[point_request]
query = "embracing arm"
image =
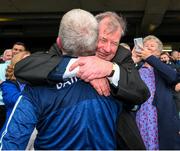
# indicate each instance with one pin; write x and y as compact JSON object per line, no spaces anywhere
{"x":20,"y":126}
{"x":34,"y":69}
{"x":131,"y":89}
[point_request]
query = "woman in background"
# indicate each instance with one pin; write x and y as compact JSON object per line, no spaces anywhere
{"x":157,"y":119}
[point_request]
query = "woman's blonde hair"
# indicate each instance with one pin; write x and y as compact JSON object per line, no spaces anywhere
{"x":16,"y":58}
{"x":157,"y":40}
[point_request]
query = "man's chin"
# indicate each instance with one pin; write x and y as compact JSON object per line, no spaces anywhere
{"x":101,"y":56}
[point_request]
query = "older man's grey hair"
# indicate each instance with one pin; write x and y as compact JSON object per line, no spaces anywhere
{"x":114,"y":22}
{"x":78,"y":31}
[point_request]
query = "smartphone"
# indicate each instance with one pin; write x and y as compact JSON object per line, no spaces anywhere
{"x":138,"y":42}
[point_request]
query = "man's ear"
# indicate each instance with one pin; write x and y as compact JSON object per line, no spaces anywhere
{"x":59,"y":42}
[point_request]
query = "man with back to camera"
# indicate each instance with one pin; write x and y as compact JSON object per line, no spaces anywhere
{"x":129,"y":90}
{"x":64,"y":118}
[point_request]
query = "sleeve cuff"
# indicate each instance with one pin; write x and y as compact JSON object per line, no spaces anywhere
{"x":116,"y":76}
{"x":70,"y":74}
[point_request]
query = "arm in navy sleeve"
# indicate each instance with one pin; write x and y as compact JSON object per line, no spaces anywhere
{"x":166,"y":72}
{"x":10,"y":92}
{"x":20,"y":125}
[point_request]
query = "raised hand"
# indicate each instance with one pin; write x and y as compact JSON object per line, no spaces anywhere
{"x":135,"y":57}
{"x":144,"y":53}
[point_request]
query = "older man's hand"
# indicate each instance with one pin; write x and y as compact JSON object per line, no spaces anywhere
{"x":91,"y":68}
{"x":101,"y":86}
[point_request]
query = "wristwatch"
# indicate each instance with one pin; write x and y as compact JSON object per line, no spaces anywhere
{"x":113,"y":70}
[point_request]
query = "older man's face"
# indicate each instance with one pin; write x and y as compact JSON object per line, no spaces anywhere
{"x":107,"y":42}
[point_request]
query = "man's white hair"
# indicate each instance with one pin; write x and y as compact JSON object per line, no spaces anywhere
{"x":78,"y":32}
{"x":115,"y":21}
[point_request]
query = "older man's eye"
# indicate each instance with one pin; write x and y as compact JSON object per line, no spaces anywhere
{"x":104,"y":40}
{"x":115,"y":44}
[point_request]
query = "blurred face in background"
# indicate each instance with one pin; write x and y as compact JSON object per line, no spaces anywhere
{"x":165,"y":58}
{"x":17,"y":48}
{"x":152,"y":45}
{"x":108,"y":42}
{"x":7,"y":55}
{"x":176,"y":55}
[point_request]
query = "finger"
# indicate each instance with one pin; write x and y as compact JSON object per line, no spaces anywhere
{"x":98,"y":89}
{"x":85,"y":77}
{"x":92,"y":77}
{"x":104,"y":87}
{"x":79,"y":73}
{"x":82,"y":75}
{"x":100,"y":92}
{"x":138,"y":52}
{"x":141,"y":47}
{"x":108,"y":86}
{"x":86,"y":80}
{"x":107,"y":89}
{"x":106,"y":92}
{"x":76,"y":64}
